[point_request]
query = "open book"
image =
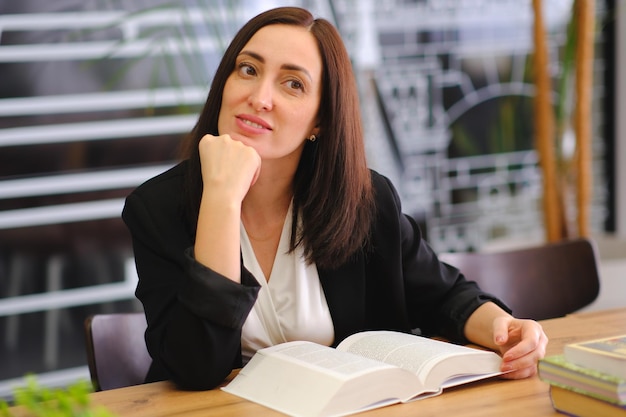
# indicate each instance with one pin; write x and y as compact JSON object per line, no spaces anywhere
{"x":367,"y":370}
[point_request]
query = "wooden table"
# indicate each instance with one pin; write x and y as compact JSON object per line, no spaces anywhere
{"x":519,"y":398}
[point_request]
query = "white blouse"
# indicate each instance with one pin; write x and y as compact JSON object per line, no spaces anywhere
{"x":291,"y":305}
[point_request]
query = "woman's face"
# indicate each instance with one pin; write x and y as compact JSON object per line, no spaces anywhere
{"x":271,"y":99}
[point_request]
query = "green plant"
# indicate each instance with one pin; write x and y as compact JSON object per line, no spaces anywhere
{"x":38,"y":401}
{"x":179,"y":54}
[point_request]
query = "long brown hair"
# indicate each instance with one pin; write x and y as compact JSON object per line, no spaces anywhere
{"x":333,"y":194}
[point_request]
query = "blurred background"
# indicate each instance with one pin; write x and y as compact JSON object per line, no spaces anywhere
{"x":95,"y":96}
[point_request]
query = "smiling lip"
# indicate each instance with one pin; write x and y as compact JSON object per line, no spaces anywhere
{"x":253,"y":122}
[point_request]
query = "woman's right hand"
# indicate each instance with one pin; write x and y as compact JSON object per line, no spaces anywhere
{"x":229,"y":167}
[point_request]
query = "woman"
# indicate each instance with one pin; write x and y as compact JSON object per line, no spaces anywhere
{"x":274,"y":229}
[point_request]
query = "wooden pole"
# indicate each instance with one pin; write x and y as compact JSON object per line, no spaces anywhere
{"x":545,"y":130}
{"x":585,"y":22}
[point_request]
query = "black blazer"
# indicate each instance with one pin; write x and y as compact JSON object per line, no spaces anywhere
{"x":195,"y":315}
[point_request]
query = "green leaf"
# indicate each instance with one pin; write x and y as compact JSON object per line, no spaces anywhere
{"x":73,"y":401}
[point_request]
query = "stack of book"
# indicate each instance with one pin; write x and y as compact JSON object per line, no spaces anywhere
{"x":589,"y":378}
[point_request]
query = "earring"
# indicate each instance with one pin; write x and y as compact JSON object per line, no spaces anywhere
{"x":312,"y":138}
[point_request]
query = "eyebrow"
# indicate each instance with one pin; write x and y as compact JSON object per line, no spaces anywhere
{"x":291,"y":67}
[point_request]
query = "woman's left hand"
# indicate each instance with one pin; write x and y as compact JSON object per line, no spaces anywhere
{"x":521,"y":343}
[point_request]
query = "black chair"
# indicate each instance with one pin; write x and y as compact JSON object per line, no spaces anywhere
{"x":539,"y":282}
{"x":116,"y":350}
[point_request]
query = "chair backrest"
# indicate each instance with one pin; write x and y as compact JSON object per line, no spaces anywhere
{"x":116,"y":350}
{"x":539,"y":282}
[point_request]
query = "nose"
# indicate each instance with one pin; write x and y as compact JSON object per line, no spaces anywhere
{"x":261,"y":97}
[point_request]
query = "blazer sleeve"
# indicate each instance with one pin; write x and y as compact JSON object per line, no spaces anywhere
{"x":194,"y":314}
{"x":439,"y":299}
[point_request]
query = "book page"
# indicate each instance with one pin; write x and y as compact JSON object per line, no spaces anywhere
{"x":305,"y":379}
{"x":400,"y":349}
{"x":311,"y":355}
{"x":421,"y":355}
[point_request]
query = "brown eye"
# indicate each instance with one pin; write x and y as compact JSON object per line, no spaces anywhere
{"x":246,"y":69}
{"x":295,"y":84}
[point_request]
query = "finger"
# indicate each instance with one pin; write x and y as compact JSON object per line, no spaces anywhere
{"x":501,"y":330}
{"x":525,"y":372}
{"x":517,"y":350}
{"x":532,"y":339}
